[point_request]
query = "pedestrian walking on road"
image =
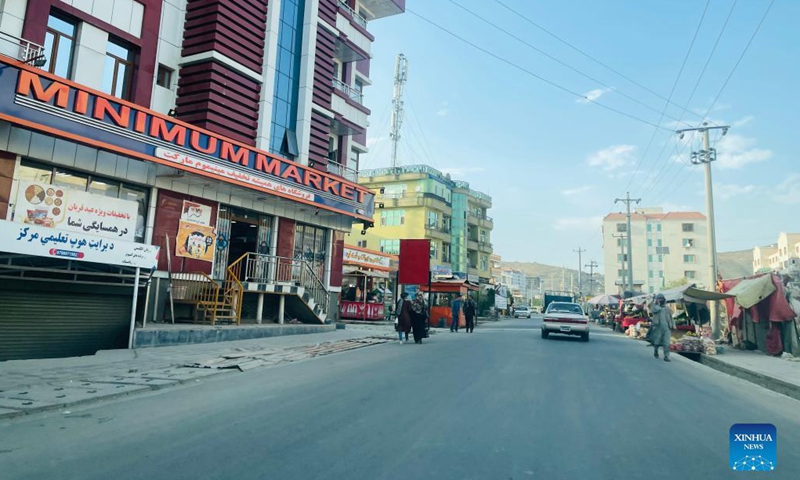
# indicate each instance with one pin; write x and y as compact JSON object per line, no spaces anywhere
{"x":469,"y":313}
{"x":455,"y":308}
{"x":419,"y":317}
{"x":662,"y":324}
{"x":403,"y":322}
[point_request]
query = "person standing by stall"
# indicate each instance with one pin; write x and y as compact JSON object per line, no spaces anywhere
{"x":662,"y":325}
{"x":469,"y":313}
{"x":419,"y":317}
{"x":455,"y":309}
{"x":403,"y":312}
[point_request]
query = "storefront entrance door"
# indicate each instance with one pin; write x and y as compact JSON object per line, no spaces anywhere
{"x":243,"y":239}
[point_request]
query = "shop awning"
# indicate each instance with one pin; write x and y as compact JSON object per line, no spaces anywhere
{"x":699,"y":296}
{"x":366,"y":273}
{"x":751,"y":291}
{"x":686,"y":293}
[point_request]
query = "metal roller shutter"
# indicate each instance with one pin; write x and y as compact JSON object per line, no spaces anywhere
{"x":41,"y":324}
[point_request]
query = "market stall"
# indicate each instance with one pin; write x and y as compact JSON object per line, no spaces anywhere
{"x":367,"y":284}
{"x":443,"y":292}
{"x":760,"y":315}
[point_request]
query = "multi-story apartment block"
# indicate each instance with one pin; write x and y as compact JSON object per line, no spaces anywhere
{"x":776,"y":257}
{"x":222,"y":129}
{"x":665,"y":246}
{"x":417,"y":201}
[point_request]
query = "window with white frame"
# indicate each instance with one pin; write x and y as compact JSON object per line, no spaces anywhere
{"x":433,"y":219}
{"x":390,"y":246}
{"x":689,"y":259}
{"x":393,"y":218}
{"x":434,"y":250}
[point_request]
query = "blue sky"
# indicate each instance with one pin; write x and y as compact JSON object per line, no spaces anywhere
{"x":554,"y":163}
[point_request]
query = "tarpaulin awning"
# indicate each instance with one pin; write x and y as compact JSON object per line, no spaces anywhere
{"x":366,"y":273}
{"x":695,"y":295}
{"x":604,"y":300}
{"x":751,"y":291}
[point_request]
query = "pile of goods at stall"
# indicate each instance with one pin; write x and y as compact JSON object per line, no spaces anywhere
{"x":693,"y":343}
{"x":639,"y":330}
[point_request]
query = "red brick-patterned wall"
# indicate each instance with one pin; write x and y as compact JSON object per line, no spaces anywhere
{"x":234,"y":28}
{"x":218,"y":99}
{"x":323,"y":68}
{"x":319,"y":141}
{"x":337,"y":259}
{"x":168,"y":215}
{"x":327,"y":10}
{"x":7,"y":163}
{"x":286,"y":231}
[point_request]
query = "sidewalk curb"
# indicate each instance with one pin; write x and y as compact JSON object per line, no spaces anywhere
{"x":770,"y":383}
{"x":112,"y":396}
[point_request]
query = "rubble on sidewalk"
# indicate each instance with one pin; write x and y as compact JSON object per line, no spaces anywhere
{"x":246,"y":360}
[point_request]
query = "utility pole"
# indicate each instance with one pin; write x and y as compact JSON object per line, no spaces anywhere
{"x":628,"y":200}
{"x":563,"y":279}
{"x":400,"y":78}
{"x":706,"y":156}
{"x":591,"y":266}
{"x":580,"y":272}
{"x":623,"y":260}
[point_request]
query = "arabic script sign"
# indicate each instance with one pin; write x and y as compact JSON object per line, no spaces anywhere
{"x":50,"y":242}
{"x":195,"y":241}
{"x":52,"y":206}
{"x":364,"y":258}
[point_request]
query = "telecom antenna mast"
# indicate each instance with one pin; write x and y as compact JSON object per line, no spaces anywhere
{"x":400,"y":78}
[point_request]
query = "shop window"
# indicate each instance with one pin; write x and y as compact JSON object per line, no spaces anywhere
{"x":105,"y":188}
{"x":67,"y":179}
{"x":390,"y":246}
{"x":33,"y":171}
{"x":118,"y":70}
{"x":310,"y":245}
{"x":59,"y":46}
{"x":689,"y":259}
{"x":164,"y":76}
{"x":621,"y":227}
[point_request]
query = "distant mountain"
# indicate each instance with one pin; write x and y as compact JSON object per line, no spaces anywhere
{"x":735,"y":264}
{"x":552,"y":276}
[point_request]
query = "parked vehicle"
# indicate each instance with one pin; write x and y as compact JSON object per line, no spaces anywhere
{"x":566,"y":318}
{"x":522,"y":311}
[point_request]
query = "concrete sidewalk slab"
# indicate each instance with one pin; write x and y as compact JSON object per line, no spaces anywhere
{"x":779,"y":374}
{"x":113,"y":373}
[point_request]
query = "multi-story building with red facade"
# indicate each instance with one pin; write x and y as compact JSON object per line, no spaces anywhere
{"x":210,"y":145}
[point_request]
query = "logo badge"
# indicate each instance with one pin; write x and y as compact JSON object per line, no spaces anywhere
{"x":754,"y":447}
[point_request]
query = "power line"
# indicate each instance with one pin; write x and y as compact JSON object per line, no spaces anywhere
{"x":557,"y":60}
{"x":672,"y":92}
{"x":747,"y":47}
{"x":667,"y":163}
{"x":590,"y":57}
{"x":532,"y":74}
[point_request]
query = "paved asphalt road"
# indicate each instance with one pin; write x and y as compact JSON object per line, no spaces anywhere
{"x":501,"y":403}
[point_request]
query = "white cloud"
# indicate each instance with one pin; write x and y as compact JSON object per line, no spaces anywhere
{"x":461,"y":171}
{"x":742,"y":121}
{"x":585,"y":224}
{"x":443,"y":110}
{"x":593,"y":95}
{"x":612,"y":158}
{"x":725,"y":191}
{"x":788,"y":191}
{"x":735,"y":151}
{"x":571,"y":192}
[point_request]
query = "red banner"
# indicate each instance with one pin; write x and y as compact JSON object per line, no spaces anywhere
{"x":415,"y":262}
{"x":362,"y":311}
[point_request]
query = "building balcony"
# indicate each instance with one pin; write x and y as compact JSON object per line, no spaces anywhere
{"x":351,"y":92}
{"x":383,"y":8}
{"x":483,"y":221}
{"x":437,"y":231}
{"x":358,"y":19}
{"x":414,"y":199}
{"x":485,"y":247}
{"x":472,"y":244}
{"x":342,"y":171}
{"x":21,"y":49}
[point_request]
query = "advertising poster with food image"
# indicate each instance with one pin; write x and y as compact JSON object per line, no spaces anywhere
{"x":195,"y":241}
{"x":196,"y":213}
{"x":51,"y":206}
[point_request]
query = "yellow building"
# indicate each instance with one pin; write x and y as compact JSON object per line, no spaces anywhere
{"x":417,"y":201}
